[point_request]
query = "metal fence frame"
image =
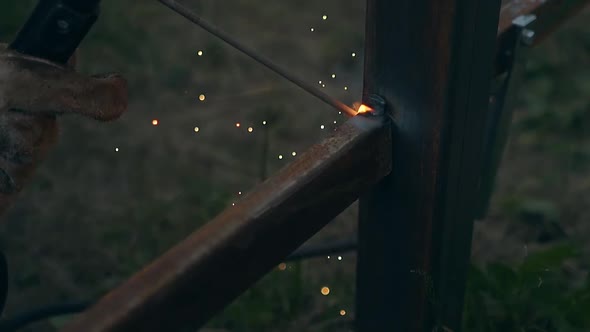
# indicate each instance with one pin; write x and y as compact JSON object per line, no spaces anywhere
{"x":418,"y":168}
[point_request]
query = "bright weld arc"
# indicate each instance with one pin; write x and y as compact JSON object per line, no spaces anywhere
{"x":364,"y":109}
{"x":193,"y":17}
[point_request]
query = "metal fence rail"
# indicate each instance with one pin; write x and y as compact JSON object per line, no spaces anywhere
{"x":205,"y":272}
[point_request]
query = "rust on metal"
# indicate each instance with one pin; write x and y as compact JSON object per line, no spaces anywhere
{"x":195,"y":279}
{"x":549,"y":13}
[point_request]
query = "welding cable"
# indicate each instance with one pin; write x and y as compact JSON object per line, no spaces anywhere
{"x":20,"y":321}
{"x":336,"y":247}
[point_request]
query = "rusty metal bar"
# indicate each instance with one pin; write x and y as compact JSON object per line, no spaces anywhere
{"x":194,"y":280}
{"x":432,"y":61}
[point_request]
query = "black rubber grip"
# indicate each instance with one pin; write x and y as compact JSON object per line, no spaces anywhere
{"x":56,"y":28}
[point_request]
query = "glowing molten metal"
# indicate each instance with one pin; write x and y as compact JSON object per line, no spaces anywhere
{"x":364,"y":109}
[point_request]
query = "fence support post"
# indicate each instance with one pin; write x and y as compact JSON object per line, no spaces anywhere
{"x":431,"y":60}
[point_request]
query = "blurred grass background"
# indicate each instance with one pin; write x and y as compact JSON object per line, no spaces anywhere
{"x":113,"y":196}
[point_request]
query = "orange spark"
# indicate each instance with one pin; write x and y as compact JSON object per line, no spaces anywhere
{"x":364,"y":109}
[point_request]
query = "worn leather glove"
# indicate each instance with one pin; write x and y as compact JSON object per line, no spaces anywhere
{"x":33,"y":92}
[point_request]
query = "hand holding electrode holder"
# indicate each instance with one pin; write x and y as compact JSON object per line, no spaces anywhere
{"x":36,"y":87}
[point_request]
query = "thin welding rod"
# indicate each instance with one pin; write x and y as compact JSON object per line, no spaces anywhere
{"x":193,"y":17}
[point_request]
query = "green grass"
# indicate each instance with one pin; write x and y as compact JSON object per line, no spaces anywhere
{"x":533,"y":296}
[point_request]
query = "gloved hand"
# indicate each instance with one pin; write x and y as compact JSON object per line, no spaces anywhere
{"x":33,"y":92}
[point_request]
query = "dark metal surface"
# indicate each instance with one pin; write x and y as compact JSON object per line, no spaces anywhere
{"x":56,"y":28}
{"x":505,"y":87}
{"x":82,"y":5}
{"x":432,"y":61}
{"x":198,"y":277}
{"x":193,"y":17}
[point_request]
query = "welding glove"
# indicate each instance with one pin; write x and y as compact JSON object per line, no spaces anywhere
{"x":33,"y":93}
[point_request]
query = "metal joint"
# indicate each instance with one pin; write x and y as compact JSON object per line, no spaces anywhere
{"x":378,"y":104}
{"x":524,"y":23}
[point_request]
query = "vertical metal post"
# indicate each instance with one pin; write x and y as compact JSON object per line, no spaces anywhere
{"x":431,"y":60}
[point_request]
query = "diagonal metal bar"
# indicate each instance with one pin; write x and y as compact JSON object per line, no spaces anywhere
{"x":19,"y":321}
{"x":193,"y":17}
{"x":194,"y":280}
